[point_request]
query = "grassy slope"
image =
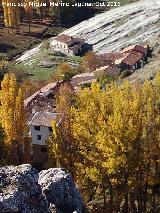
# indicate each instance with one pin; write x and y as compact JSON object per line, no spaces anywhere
{"x":35,"y":68}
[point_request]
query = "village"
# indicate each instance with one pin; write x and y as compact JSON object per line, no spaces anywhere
{"x":41,"y":105}
{"x":80,"y":106}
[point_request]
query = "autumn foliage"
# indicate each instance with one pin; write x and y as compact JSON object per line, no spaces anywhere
{"x":116,"y":142}
{"x":13,"y":120}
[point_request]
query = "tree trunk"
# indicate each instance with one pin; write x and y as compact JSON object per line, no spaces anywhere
{"x":132,"y":203}
{"x":19,"y":153}
{"x":104,"y":198}
{"x":29,"y":27}
{"x":126,"y":205}
{"x":111,"y":197}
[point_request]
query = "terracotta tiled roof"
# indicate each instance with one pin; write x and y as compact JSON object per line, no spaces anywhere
{"x":30,"y":98}
{"x":113,"y":71}
{"x":100,"y":71}
{"x":77,"y":79}
{"x":128,"y":49}
{"x":140,"y":49}
{"x":119,"y":60}
{"x":133,"y":58}
{"x":39,"y":104}
{"x":64,"y":38}
{"x":111,"y":56}
{"x":44,"y":99}
{"x":44,"y":91}
{"x":44,"y":118}
{"x":118,"y":57}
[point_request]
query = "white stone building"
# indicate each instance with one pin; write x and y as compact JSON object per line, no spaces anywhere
{"x":69,"y":45}
{"x":40,"y":128}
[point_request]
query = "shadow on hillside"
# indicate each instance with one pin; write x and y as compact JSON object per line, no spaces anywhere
{"x":5,"y":47}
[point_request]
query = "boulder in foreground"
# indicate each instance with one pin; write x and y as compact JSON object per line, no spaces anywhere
{"x":20,"y":191}
{"x":23,"y":190}
{"x":59,"y":189}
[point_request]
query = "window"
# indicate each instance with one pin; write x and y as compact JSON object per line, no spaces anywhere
{"x":37,"y":128}
{"x":50,"y":129}
{"x":39,"y":137}
{"x":44,"y":149}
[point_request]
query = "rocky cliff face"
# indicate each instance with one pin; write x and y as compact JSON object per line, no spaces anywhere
{"x":59,"y":189}
{"x":19,"y":190}
{"x":22,"y":189}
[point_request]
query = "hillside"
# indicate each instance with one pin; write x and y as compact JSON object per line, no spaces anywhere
{"x":134,"y":23}
{"x":112,"y":30}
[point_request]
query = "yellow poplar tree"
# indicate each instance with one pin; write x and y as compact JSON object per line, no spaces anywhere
{"x":13,"y":118}
{"x":11,"y":13}
{"x":61,"y":146}
{"x":116,"y":138}
{"x":106,"y":126}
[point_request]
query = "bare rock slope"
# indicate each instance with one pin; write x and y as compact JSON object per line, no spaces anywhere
{"x":22,"y":189}
{"x":134,"y":23}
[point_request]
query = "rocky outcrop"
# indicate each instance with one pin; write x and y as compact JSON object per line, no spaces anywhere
{"x":59,"y":189}
{"x":22,"y":189}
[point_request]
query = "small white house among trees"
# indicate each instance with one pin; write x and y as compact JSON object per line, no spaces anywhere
{"x":40,"y":128}
{"x":69,"y":45}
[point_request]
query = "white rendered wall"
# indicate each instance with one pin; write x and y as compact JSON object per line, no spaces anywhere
{"x":44,"y":132}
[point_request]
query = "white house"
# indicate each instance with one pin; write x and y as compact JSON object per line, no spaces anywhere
{"x":40,"y":128}
{"x":69,"y":45}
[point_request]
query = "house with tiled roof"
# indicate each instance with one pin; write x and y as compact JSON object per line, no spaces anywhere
{"x":69,"y":45}
{"x":41,"y":128}
{"x":112,"y":58}
{"x":134,"y":61}
{"x":130,"y":58}
{"x":145,"y":50}
{"x":40,"y":108}
{"x":44,"y":99}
